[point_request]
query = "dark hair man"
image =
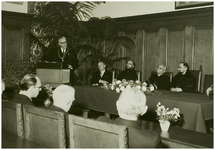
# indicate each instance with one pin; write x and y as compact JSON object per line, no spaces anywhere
{"x":129,"y":73}
{"x":29,"y":85}
{"x":65,"y":54}
{"x":184,"y":80}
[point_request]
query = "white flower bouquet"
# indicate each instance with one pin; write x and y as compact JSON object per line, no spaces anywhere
{"x":164,"y":114}
{"x":118,"y":86}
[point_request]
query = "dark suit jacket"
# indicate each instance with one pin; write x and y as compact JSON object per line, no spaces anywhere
{"x":138,"y":138}
{"x":162,"y":82}
{"x":128,"y":75}
{"x":73,"y":110}
{"x":186,"y":82}
{"x":70,"y":58}
{"x":55,"y":108}
{"x":19,"y":98}
{"x":107,"y":76}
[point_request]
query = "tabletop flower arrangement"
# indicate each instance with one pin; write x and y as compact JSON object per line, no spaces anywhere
{"x":118,"y":86}
{"x":165,"y":116}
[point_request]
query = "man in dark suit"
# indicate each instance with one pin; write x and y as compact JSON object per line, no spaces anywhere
{"x":30,"y":85}
{"x":184,"y":80}
{"x":159,"y":80}
{"x":131,"y":104}
{"x":129,"y":73}
{"x":66,"y":55}
{"x":102,"y":76}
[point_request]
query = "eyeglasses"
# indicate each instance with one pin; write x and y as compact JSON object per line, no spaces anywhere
{"x":160,"y":68}
{"x":62,"y":42}
{"x":40,"y":87}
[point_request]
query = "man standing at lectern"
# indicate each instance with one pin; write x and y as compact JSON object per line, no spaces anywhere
{"x":66,"y":55}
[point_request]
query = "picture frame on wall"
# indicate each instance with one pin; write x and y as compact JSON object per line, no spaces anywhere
{"x":187,"y":4}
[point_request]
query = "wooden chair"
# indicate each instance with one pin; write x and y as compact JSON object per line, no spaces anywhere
{"x":12,"y":118}
{"x":45,"y":127}
{"x":208,"y":82}
{"x":138,"y":75}
{"x":169,"y":74}
{"x":198,"y":76}
{"x":88,"y":133}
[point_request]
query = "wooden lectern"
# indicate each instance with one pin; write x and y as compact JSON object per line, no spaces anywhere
{"x":52,"y":74}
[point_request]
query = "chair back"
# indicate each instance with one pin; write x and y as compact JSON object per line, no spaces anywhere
{"x":198,"y":76}
{"x":138,"y":75}
{"x":88,"y":133}
{"x":12,"y":118}
{"x":208,"y":82}
{"x":169,"y":74}
{"x":45,"y":127}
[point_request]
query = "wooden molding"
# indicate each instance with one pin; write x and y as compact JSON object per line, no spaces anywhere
{"x":153,"y":22}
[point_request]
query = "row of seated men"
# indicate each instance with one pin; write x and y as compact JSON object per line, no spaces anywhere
{"x":183,"y":81}
{"x":130,"y":105}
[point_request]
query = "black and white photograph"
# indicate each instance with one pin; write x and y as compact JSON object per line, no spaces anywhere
{"x":107,"y":74}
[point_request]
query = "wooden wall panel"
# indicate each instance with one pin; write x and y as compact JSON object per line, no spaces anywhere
{"x":151,"y":53}
{"x":139,"y":50}
{"x":204,"y":55}
{"x":14,"y":42}
{"x":204,"y":50}
{"x":15,"y":34}
{"x":169,"y":38}
{"x":189,"y":45}
{"x":175,"y":50}
{"x":162,"y":47}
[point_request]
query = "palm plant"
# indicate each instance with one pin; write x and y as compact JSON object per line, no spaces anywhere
{"x":54,"y":18}
{"x":105,"y":42}
{"x":93,"y":40}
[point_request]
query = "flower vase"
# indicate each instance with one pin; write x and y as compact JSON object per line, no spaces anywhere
{"x":164,"y":125}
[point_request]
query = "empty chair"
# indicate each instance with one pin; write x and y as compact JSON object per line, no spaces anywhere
{"x":208,"y":82}
{"x":88,"y":133}
{"x":198,"y":76}
{"x":12,"y":118}
{"x":45,"y":127}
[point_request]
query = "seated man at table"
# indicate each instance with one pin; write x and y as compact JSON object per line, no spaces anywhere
{"x":30,"y":85}
{"x":102,"y":76}
{"x":63,"y":97}
{"x":129,"y":73}
{"x":184,"y":80}
{"x":159,"y":80}
{"x":131,"y":104}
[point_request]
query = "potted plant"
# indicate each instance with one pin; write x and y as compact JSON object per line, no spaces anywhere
{"x":165,"y":116}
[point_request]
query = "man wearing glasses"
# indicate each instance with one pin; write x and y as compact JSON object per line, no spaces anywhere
{"x":30,"y":86}
{"x":64,"y":54}
{"x":159,"y":80}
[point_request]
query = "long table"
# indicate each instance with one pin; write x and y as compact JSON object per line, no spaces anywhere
{"x":195,"y":108}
